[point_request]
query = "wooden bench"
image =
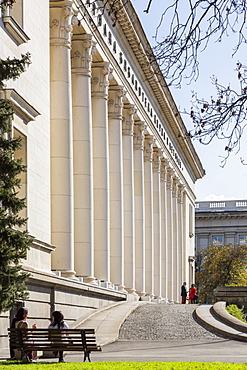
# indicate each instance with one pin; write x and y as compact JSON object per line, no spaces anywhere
{"x":27,"y":340}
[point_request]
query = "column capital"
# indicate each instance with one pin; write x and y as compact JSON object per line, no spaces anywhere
{"x":169,"y":181}
{"x":100,"y":81}
{"x":157,"y":153}
{"x":129,"y":111}
{"x":148,"y":148}
{"x":81,"y":55}
{"x":175,"y":184}
{"x":181,"y":189}
{"x":139,"y":128}
{"x":115,"y":101}
{"x":61,"y":22}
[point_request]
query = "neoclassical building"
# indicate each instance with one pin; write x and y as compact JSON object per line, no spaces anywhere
{"x":110,"y":178}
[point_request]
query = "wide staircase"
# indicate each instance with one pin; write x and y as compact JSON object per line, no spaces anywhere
{"x":163,"y":322}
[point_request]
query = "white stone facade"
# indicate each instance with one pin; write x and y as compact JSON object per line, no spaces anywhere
{"x":110,"y":178}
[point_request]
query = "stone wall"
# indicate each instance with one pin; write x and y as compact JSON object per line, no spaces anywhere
{"x":232,"y":295}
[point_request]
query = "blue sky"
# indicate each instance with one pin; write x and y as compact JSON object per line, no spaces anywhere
{"x":219,"y":183}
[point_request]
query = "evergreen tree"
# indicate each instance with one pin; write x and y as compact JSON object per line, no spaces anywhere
{"x":14,"y":242}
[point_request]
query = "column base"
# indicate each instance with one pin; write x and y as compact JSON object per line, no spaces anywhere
{"x":141,"y":294}
{"x":70,"y":274}
{"x":89,"y":280}
{"x":121,"y":288}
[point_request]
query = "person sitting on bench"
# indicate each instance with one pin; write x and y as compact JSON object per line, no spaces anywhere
{"x":57,"y":322}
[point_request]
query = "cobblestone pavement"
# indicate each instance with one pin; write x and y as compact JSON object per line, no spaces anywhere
{"x":163,"y":321}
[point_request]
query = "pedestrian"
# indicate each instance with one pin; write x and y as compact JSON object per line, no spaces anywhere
{"x":57,"y":322}
{"x":192,"y":294}
{"x":184,"y":292}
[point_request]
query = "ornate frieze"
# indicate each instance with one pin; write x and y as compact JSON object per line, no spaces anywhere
{"x":148,"y":148}
{"x":81,"y":54}
{"x":115,"y":101}
{"x":62,"y":19}
{"x":128,"y":119}
{"x":139,"y":128}
{"x":100,"y":79}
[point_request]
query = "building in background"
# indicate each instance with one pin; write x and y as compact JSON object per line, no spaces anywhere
{"x":220,"y":223}
{"x":110,"y":178}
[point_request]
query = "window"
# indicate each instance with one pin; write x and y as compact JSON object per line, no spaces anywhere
{"x":217,"y":239}
{"x":13,"y":22}
{"x":242,"y":239}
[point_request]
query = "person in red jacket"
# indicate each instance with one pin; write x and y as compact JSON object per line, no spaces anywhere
{"x":192,"y":294}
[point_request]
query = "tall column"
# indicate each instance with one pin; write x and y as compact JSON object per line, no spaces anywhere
{"x":115,"y":106}
{"x":176,"y":283}
{"x":170,"y":173}
{"x":164,"y":267}
{"x":100,"y":71}
{"x":181,"y":252}
{"x":128,"y":186}
{"x":139,"y":207}
{"x":83,"y":158}
{"x":148,"y":191}
{"x":62,"y":206}
{"x":157,"y":152}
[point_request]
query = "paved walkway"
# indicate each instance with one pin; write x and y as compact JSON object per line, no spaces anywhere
{"x":157,"y":332}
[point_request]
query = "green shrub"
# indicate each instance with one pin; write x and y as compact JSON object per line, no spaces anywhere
{"x":233,"y":310}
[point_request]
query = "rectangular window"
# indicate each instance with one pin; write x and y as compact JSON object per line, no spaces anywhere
{"x":217,"y":239}
{"x":22,"y":154}
{"x":242,"y":239}
{"x":17,"y":12}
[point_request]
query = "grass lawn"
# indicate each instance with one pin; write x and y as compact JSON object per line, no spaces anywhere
{"x":122,"y":366}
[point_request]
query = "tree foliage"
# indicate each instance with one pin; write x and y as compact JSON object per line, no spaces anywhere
{"x":14,"y":242}
{"x":193,"y":24}
{"x":221,"y":266}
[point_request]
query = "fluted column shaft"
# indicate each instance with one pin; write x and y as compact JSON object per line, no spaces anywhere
{"x":169,"y":235}
{"x":139,"y":207}
{"x":157,"y":221}
{"x":83,"y":160}
{"x":164,"y":270}
{"x":115,"y":107}
{"x":62,"y":207}
{"x":100,"y":71}
{"x":148,"y":190}
{"x":176,"y":283}
{"x":128,"y":182}
{"x":181,"y":254}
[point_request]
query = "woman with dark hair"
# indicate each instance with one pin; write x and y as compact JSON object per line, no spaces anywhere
{"x":20,"y":322}
{"x":192,"y":294}
{"x":57,"y":322}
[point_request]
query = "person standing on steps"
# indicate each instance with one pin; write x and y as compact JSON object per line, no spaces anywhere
{"x":184,"y":292}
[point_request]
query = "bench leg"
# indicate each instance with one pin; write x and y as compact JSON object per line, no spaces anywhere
{"x":87,"y":355}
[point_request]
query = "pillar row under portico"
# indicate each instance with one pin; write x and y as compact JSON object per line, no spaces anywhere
{"x":170,"y":259}
{"x":175,"y":247}
{"x":148,"y":191}
{"x":164,"y":252}
{"x":128,"y":181}
{"x":62,"y":197}
{"x":81,"y":59}
{"x":99,"y":87}
{"x":157,"y":152}
{"x":139,"y":128}
{"x":115,"y":107}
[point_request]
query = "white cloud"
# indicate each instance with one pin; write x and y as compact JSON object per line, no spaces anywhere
{"x":214,"y":197}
